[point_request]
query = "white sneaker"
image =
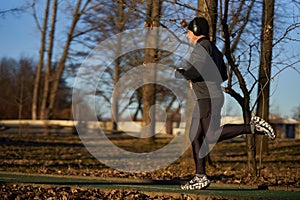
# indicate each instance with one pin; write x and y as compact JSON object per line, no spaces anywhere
{"x":260,"y":125}
{"x":198,"y":182}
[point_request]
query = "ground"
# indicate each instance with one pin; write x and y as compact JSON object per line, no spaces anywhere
{"x":64,"y":154}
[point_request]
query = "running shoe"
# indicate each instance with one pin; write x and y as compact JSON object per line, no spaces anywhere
{"x":261,"y":126}
{"x":198,"y":182}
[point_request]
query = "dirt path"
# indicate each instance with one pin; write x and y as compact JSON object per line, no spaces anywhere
{"x":151,"y":187}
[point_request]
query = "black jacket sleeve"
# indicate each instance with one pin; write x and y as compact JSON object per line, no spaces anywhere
{"x":191,"y":73}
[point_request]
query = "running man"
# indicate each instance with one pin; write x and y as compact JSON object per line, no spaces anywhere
{"x":205,"y":126}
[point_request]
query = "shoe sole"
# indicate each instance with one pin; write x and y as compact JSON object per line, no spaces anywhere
{"x":261,"y":125}
{"x":196,"y":186}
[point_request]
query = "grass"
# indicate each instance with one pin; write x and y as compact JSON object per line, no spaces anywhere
{"x":64,"y":154}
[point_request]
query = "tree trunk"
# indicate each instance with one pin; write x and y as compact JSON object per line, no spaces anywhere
{"x":243,"y":101}
{"x":265,"y":69}
{"x":40,"y":64}
{"x":61,"y":65}
{"x":120,"y":27}
{"x":47,"y":79}
{"x":209,"y":10}
{"x":152,"y":20}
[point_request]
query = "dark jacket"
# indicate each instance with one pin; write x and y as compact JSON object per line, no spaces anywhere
{"x":203,"y":72}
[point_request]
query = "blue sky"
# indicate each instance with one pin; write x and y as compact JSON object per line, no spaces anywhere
{"x":20,"y":37}
{"x":17,"y":33}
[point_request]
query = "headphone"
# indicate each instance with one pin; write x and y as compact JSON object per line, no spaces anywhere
{"x":199,"y":26}
{"x":196,"y":29}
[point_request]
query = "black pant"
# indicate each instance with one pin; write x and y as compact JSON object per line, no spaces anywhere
{"x":205,"y":129}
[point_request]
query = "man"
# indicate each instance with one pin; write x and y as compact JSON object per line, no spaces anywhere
{"x":205,"y":126}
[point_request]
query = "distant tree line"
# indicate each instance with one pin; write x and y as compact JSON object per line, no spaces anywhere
{"x":16,"y":83}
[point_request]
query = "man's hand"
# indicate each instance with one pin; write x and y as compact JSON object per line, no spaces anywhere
{"x":179,"y":72}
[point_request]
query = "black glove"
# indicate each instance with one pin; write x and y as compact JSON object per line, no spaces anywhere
{"x":179,"y":72}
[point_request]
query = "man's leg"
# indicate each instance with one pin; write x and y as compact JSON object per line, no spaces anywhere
{"x":228,"y":131}
{"x":200,"y":180}
{"x":196,"y":137}
{"x":201,"y":110}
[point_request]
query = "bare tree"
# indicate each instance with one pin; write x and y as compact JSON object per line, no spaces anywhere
{"x":77,"y":14}
{"x":13,"y":11}
{"x":47,"y":77}
{"x":264,"y":76}
{"x":53,"y":71}
{"x":244,"y":101}
{"x":16,"y":80}
{"x":209,"y":10}
{"x":297,"y":113}
{"x":39,"y":67}
{"x":120,"y":28}
{"x":153,"y":14}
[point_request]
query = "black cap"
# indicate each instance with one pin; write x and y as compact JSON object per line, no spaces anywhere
{"x":199,"y":26}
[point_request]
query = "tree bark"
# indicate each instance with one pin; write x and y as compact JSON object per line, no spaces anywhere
{"x":243,"y":101}
{"x":61,"y":66}
{"x":40,"y":64}
{"x":152,"y":20}
{"x":47,"y":77}
{"x":209,"y":10}
{"x":265,"y":68}
{"x":120,"y":27}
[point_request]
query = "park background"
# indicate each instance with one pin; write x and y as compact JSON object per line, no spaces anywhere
{"x":21,"y":43}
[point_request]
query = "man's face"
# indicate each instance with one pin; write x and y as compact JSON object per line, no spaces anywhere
{"x":190,"y":35}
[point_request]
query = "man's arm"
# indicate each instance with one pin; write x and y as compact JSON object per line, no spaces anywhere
{"x":189,"y":74}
